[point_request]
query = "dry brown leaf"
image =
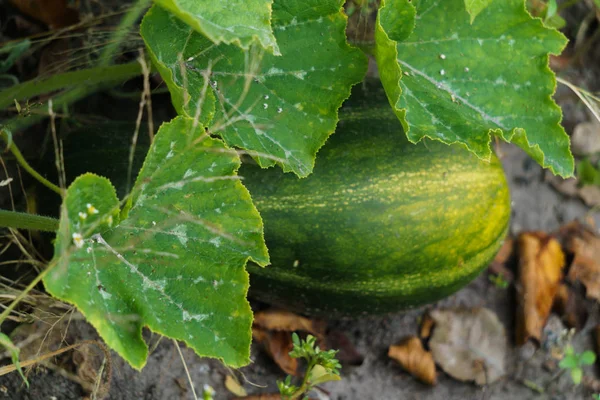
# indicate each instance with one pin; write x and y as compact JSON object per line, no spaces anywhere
{"x":570,"y":307}
{"x":541,"y":263}
{"x":427,"y":324}
{"x":414,"y":359}
{"x":234,"y":386}
{"x":498,"y":265}
{"x":469,"y":345}
{"x":54,"y":13}
{"x":585,"y":268}
{"x":278,"y":345}
{"x":281,"y":320}
{"x":347,"y":353}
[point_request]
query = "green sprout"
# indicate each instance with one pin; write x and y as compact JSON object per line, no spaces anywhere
{"x":208,"y":392}
{"x":498,"y":280}
{"x":322,"y":367}
{"x":574,"y":362}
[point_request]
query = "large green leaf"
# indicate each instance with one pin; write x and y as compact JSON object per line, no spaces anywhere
{"x":474,"y":7}
{"x":239,"y":22}
{"x":175,"y":262}
{"x":280,"y":108}
{"x":459,"y":82}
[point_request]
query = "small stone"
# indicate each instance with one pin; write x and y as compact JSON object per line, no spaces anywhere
{"x":585,"y":139}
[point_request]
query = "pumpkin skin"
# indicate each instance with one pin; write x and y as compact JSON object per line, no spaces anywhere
{"x":381,"y":224}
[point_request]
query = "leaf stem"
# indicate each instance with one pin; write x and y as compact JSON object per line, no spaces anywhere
{"x":10,"y":145}
{"x":121,"y":31}
{"x":88,"y":76}
{"x":19,"y":220}
{"x":304,"y":387}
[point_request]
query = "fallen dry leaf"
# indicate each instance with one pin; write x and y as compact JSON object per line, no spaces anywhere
{"x":469,"y":344}
{"x":585,"y":246}
{"x":427,"y":324}
{"x":281,"y":320}
{"x":347,"y":353}
{"x":234,"y":386}
{"x":277,"y":344}
{"x":54,"y":13}
{"x":570,"y":307}
{"x":541,"y":263}
{"x":498,"y":264}
{"x":414,"y":359}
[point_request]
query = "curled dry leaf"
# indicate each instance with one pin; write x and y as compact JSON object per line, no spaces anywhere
{"x":414,"y":359}
{"x":498,"y":265}
{"x":569,"y":305}
{"x":234,"y":386}
{"x":347,"y":353}
{"x":469,"y":345}
{"x":54,"y":13}
{"x":585,"y":245}
{"x":427,"y":324}
{"x":278,"y":345}
{"x":281,"y":320}
{"x":541,"y":263}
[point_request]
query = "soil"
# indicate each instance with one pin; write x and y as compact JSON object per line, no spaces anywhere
{"x":536,"y":206}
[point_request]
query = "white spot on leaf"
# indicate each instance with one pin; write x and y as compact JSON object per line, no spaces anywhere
{"x":180,"y":231}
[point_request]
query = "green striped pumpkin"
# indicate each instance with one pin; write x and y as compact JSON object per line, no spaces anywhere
{"x":381,"y":225}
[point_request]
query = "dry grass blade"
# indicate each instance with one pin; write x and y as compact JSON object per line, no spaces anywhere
{"x":101,"y":392}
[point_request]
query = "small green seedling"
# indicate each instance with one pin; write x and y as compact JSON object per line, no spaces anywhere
{"x":499,"y":281}
{"x":574,"y":362}
{"x":208,"y":392}
{"x":322,"y":367}
{"x":14,"y":353}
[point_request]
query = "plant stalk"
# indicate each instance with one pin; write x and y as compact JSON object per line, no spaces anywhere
{"x":19,"y":220}
{"x":89,"y":76}
{"x":21,"y":160}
